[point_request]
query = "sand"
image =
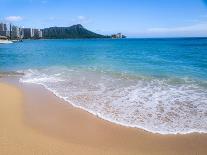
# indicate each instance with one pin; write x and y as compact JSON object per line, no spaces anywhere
{"x":34,"y":121}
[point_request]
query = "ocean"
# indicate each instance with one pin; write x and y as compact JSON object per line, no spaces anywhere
{"x":159,"y":85}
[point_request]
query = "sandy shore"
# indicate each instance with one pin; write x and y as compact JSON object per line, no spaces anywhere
{"x":34,"y":121}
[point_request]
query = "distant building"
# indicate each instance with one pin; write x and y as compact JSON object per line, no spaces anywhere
{"x":32,"y":36}
{"x":40,"y":34}
{"x":118,"y":36}
{"x":3,"y":27}
{"x":3,"y":30}
{"x":4,"y":33}
{"x":37,"y":33}
{"x":16,"y":32}
{"x":28,"y":33}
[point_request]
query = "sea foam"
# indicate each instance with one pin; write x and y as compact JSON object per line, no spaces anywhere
{"x":158,"y":105}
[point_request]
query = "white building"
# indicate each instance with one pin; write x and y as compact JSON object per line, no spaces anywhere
{"x":37,"y":33}
{"x":3,"y":30}
{"x":117,"y":36}
{"x":16,"y":32}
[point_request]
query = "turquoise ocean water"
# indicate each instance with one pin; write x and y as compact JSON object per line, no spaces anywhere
{"x":159,"y":85}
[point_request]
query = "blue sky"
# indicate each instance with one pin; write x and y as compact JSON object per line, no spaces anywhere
{"x":135,"y":18}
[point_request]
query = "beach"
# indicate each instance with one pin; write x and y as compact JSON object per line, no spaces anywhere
{"x":35,"y":121}
{"x":77,"y":79}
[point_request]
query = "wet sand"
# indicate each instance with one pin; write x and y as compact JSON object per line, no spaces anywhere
{"x":34,"y":121}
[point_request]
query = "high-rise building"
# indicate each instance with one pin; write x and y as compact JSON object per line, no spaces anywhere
{"x":5,"y":27}
{"x":3,"y":30}
{"x":1,"y":26}
{"x":21,"y":33}
{"x":28,"y":33}
{"x":16,"y":32}
{"x":40,"y":34}
{"x":37,"y":33}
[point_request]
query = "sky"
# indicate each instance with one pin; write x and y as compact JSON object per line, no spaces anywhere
{"x":134,"y":18}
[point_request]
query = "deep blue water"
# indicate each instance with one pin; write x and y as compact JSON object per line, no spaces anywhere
{"x":159,"y":85}
{"x":156,"y":57}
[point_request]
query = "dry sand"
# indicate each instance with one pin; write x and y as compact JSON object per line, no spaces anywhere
{"x":34,"y":121}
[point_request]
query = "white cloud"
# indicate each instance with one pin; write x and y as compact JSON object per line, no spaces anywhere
{"x":81,"y":18}
{"x":51,"y":18}
{"x":13,"y":18}
{"x":199,"y":29}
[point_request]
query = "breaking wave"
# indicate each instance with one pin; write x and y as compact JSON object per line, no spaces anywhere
{"x":158,"y":105}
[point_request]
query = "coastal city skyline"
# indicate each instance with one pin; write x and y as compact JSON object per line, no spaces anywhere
{"x":77,"y":31}
{"x":14,"y":32}
{"x":162,"y":18}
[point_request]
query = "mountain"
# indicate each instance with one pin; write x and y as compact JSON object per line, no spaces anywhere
{"x":73,"y":32}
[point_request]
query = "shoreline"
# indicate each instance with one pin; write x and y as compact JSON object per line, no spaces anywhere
{"x":52,"y":118}
{"x":5,"y":42}
{"x":14,"y":77}
{"x":111,"y":121}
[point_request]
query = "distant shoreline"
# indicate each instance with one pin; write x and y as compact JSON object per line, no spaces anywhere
{"x":5,"y":42}
{"x":119,"y":38}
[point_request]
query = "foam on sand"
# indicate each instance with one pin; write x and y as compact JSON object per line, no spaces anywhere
{"x":158,"y":105}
